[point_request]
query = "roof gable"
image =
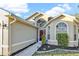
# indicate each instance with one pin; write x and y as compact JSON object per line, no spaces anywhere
{"x":33,"y":15}
{"x":60,"y":16}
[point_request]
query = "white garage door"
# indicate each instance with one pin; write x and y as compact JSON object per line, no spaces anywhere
{"x":22,"y":35}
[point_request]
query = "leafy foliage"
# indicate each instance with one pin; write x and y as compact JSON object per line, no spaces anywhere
{"x":62,"y":39}
{"x":43,"y":39}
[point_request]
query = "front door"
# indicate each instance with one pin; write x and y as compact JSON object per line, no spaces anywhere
{"x":41,"y":33}
{"x":0,"y":37}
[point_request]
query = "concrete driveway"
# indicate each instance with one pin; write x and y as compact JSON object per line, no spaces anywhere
{"x":30,"y":50}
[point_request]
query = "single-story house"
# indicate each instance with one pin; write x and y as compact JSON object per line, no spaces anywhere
{"x":17,"y":33}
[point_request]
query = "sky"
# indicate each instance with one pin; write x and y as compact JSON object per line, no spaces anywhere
{"x":53,"y":9}
{"x":24,"y":10}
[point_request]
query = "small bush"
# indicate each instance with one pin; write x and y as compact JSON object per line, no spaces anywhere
{"x":43,"y":39}
{"x":62,"y":39}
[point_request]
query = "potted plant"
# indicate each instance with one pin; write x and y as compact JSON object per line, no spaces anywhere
{"x":43,"y":39}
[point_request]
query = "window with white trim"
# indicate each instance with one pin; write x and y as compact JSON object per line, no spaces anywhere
{"x":61,"y":27}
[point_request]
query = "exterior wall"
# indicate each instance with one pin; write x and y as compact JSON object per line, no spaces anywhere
{"x":70,"y":31}
{"x":45,"y":17}
{"x":4,"y":44}
{"x":22,"y":35}
{"x":76,"y":34}
{"x":0,"y":38}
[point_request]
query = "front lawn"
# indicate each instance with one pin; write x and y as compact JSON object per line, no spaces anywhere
{"x":51,"y":50}
{"x":66,"y":54}
{"x":51,"y":54}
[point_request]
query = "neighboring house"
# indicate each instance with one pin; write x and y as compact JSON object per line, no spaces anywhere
{"x":17,"y":33}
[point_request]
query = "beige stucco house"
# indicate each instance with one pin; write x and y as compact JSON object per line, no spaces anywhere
{"x":57,"y":24}
{"x":17,"y":33}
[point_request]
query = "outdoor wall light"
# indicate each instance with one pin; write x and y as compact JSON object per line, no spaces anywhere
{"x":4,"y":25}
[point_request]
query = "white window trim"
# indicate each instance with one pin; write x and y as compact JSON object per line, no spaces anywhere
{"x":58,"y":28}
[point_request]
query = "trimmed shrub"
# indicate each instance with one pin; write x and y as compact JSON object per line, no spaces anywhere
{"x":62,"y":39}
{"x":78,"y":30}
{"x":43,"y":39}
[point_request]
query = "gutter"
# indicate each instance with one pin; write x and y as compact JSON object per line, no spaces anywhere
{"x":13,"y":21}
{"x":19,"y":18}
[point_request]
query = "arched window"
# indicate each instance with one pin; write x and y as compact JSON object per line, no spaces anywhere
{"x":61,"y":27}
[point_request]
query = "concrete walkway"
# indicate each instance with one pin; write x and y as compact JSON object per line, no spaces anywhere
{"x":30,"y":50}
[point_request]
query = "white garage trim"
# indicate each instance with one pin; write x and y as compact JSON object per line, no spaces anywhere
{"x":4,"y":46}
{"x":20,"y":43}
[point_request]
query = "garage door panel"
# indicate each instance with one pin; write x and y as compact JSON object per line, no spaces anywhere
{"x":22,"y":35}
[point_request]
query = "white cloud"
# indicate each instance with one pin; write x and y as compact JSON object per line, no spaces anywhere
{"x":20,"y":8}
{"x":15,"y":6}
{"x":60,"y":8}
{"x":55,"y":11}
{"x":65,"y":6}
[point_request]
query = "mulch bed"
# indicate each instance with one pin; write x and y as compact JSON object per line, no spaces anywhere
{"x":47,"y":47}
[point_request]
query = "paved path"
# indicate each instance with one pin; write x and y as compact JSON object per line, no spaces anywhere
{"x":30,"y":50}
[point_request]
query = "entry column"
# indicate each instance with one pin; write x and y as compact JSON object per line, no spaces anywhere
{"x":1,"y":32}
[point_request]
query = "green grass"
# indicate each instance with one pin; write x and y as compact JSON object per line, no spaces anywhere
{"x":66,"y":54}
{"x":55,"y":54}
